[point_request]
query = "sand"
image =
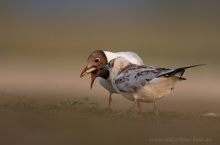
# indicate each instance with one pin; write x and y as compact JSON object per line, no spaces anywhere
{"x":57,"y":107}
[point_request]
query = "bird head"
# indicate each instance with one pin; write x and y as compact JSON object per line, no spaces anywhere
{"x":95,"y":66}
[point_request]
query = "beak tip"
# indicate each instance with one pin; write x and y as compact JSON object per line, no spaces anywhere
{"x":91,"y":85}
{"x":83,"y":72}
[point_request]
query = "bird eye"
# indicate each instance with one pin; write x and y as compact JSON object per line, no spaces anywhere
{"x":97,"y":60}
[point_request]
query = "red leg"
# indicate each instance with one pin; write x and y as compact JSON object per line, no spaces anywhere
{"x":109,"y":100}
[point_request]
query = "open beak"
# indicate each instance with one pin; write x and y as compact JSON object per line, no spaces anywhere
{"x":93,"y":77}
{"x":90,"y":70}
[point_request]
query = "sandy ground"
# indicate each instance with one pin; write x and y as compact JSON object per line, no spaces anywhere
{"x":49,"y":106}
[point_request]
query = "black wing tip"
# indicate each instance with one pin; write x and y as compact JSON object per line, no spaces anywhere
{"x":179,"y":70}
{"x":193,"y":66}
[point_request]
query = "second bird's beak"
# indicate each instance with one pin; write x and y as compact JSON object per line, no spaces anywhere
{"x":90,"y":70}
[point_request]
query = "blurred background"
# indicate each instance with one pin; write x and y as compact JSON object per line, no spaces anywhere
{"x":44,"y":45}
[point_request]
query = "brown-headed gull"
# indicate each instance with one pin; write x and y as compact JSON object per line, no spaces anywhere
{"x":98,"y":59}
{"x":143,"y":83}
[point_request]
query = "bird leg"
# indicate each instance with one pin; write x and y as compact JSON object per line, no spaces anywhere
{"x":109,"y":101}
{"x":156,"y":110}
{"x":137,"y":103}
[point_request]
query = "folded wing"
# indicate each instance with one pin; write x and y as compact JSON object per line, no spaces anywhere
{"x":135,"y":77}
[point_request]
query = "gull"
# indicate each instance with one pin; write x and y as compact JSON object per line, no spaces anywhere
{"x":143,"y":83}
{"x":98,"y":59}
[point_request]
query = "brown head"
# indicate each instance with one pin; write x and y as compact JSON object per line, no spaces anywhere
{"x":96,"y":63}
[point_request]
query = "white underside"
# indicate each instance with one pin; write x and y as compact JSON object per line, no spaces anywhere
{"x":156,"y":89}
{"x":152,"y":91}
{"x":106,"y":84}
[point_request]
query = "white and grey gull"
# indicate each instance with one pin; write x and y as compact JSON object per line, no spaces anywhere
{"x":98,"y":59}
{"x":141,"y":83}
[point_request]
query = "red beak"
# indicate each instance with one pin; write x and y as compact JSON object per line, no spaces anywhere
{"x":83,"y":73}
{"x":93,"y":72}
{"x":93,"y":77}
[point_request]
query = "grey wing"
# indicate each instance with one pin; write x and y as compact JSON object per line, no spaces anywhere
{"x":137,"y":76}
